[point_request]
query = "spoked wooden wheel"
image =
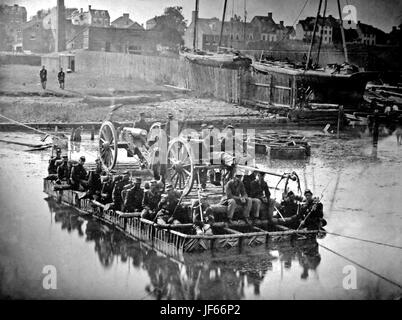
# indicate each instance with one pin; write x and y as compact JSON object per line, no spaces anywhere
{"x":108,"y":145}
{"x":180,"y":165}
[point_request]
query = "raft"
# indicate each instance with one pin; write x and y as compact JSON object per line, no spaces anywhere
{"x":180,"y":238}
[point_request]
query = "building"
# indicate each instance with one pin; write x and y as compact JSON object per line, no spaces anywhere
{"x":367,"y":34}
{"x":150,"y":24}
{"x":92,"y":17}
{"x":264,"y":28}
{"x":39,"y":34}
{"x":126,"y":40}
{"x":125,"y":22}
{"x":12,"y":18}
{"x":325,"y":27}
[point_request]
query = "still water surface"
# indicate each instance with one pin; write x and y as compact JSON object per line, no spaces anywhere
{"x":362,"y":198}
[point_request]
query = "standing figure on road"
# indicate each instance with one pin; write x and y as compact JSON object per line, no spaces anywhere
{"x":43,"y":77}
{"x":60,"y":76}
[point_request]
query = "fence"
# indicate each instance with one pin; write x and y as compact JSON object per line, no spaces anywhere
{"x":216,"y":82}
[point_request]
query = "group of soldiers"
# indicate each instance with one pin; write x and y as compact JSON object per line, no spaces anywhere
{"x":43,"y":77}
{"x":247,"y":197}
{"x":250,"y":198}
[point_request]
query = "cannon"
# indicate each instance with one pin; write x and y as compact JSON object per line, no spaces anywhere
{"x":184,"y":159}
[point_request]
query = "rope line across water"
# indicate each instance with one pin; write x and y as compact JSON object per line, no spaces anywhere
{"x":364,"y":240}
{"x":363,"y":267}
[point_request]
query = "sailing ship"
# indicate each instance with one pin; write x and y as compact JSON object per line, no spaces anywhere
{"x":223,"y":58}
{"x":334,"y":84}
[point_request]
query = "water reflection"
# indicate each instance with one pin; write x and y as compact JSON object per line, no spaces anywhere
{"x":216,"y":275}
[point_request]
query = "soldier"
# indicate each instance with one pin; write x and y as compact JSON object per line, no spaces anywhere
{"x":61,"y":76}
{"x":63,"y":171}
{"x":43,"y":77}
{"x":94,"y":182}
{"x":236,"y":196}
{"x":134,"y":197}
{"x":150,"y":202}
{"x":117,"y":191}
{"x":141,"y":124}
{"x":290,"y":205}
{"x":259,"y":190}
{"x":203,"y":206}
{"x":170,"y":210}
{"x":107,"y":189}
{"x":78,"y":176}
{"x":52,"y":168}
{"x":312,"y":212}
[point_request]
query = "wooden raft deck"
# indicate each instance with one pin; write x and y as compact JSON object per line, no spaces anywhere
{"x":176,"y":239}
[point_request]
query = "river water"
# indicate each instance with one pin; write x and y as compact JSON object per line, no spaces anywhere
{"x":362,"y":198}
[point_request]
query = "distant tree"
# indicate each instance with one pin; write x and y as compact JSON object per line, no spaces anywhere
{"x":172,"y":24}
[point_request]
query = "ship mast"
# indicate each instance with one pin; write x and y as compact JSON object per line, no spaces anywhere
{"x":345,"y":51}
{"x":223,"y":21}
{"x":195,"y":25}
{"x":313,"y":37}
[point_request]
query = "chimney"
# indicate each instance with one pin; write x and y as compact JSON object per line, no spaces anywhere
{"x":81,"y":10}
{"x":270,"y":15}
{"x":60,"y":44}
{"x":126,"y":15}
{"x":281,"y":23}
{"x":358,"y":22}
{"x":394,"y":28}
{"x":89,"y":8}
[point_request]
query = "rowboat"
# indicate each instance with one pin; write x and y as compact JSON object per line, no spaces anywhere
{"x":229,"y":60}
{"x":180,"y":237}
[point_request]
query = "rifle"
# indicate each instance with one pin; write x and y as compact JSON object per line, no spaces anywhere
{"x":314,"y":207}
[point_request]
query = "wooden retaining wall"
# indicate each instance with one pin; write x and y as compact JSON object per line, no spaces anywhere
{"x":216,"y":82}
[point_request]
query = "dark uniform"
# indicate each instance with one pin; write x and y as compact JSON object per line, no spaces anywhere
{"x":150,"y":204}
{"x":259,"y":190}
{"x":314,"y":210}
{"x":169,"y":208}
{"x":133,"y":198}
{"x":78,"y":176}
{"x":141,"y":124}
{"x":60,"y":76}
{"x":117,"y":192}
{"x":52,"y":168}
{"x":63,"y":172}
{"x":43,"y":77}
{"x":107,"y":190}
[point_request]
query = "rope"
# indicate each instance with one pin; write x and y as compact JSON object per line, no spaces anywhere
{"x":364,"y":240}
{"x":363,"y":267}
{"x":24,"y":125}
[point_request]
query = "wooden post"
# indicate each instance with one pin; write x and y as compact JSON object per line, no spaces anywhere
{"x":93,"y":133}
{"x":56,"y":129}
{"x":340,"y":119}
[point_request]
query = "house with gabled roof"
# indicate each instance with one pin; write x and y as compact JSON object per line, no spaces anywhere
{"x":92,"y":17}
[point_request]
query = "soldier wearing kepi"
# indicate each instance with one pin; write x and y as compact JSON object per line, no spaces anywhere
{"x":52,"y":168}
{"x":311,"y":212}
{"x":63,"y":171}
{"x":43,"y":77}
{"x":199,"y":207}
{"x":236,"y":196}
{"x":134,"y":197}
{"x":79,"y":176}
{"x":152,"y":197}
{"x":170,"y":210}
{"x":61,"y":76}
{"x":117,"y":191}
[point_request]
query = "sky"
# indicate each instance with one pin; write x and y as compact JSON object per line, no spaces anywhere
{"x":381,"y":13}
